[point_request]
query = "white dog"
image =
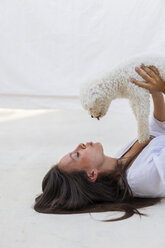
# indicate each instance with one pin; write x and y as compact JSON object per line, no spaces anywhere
{"x":97,"y":94}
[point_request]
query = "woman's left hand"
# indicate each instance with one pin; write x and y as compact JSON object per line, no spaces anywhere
{"x":153,"y":83}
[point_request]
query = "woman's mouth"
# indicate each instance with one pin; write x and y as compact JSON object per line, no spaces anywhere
{"x":90,"y":143}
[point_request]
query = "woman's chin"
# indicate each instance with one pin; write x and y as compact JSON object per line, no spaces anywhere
{"x":99,"y":145}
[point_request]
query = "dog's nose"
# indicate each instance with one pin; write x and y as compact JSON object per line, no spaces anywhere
{"x":92,"y":116}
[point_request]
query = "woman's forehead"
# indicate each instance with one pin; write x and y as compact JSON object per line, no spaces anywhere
{"x":66,"y":161}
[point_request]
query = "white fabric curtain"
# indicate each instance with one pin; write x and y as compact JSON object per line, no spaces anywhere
{"x":49,"y":48}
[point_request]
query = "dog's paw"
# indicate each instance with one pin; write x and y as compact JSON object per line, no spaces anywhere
{"x":143,"y":139}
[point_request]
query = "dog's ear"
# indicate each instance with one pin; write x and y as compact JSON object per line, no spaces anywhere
{"x":93,"y":98}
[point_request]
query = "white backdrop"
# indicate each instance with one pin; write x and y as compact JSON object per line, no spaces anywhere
{"x":49,"y":48}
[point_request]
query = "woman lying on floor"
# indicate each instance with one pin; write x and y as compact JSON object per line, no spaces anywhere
{"x":86,"y":180}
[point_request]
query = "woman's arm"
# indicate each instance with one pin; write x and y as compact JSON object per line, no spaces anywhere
{"x":159,"y":106}
{"x":156,"y":86}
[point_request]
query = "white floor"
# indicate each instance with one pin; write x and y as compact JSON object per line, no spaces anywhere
{"x":31,"y":141}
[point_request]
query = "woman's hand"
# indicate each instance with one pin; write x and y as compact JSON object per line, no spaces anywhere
{"x":153,"y":83}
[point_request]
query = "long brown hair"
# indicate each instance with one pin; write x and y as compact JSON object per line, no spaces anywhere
{"x":73,"y":192}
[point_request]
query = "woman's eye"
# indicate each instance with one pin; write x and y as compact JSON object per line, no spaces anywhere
{"x":78,"y":154}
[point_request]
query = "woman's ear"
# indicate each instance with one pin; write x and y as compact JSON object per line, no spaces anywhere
{"x":93,"y":174}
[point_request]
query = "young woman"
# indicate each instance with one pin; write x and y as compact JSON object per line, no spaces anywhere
{"x":87,"y":180}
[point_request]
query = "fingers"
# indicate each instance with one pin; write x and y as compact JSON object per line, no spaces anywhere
{"x":157,"y":74}
{"x":152,"y":67}
{"x":153,"y":81}
{"x":144,"y":73}
{"x":149,"y":71}
{"x":153,"y":72}
{"x":141,"y":84}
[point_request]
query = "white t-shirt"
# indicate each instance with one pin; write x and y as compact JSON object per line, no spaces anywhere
{"x":146,"y":176}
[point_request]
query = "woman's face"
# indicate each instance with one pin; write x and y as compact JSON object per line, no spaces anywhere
{"x":85,"y":157}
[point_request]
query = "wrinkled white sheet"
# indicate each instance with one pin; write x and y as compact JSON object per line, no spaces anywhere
{"x":50,"y":48}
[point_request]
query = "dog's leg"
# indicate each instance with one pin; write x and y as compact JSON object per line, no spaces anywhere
{"x":141,"y":109}
{"x":133,"y":106}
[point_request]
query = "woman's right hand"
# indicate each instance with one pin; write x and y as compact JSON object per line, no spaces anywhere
{"x":153,"y":81}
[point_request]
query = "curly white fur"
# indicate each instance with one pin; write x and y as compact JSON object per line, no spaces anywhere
{"x":97,"y":94}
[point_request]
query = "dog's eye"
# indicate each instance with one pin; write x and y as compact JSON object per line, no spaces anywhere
{"x":92,"y":116}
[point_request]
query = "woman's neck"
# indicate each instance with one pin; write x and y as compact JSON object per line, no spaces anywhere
{"x":108,"y":165}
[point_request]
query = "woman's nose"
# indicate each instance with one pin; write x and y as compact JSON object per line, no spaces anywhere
{"x":81,"y":145}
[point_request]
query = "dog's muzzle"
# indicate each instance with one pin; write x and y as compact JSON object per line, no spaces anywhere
{"x":98,"y":117}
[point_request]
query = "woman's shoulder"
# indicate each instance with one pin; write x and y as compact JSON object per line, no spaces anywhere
{"x":149,"y":167}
